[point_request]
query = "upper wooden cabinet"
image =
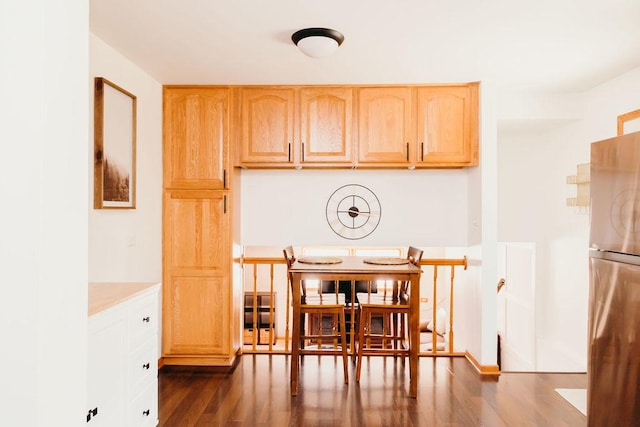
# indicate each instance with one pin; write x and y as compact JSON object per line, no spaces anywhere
{"x":196,"y":137}
{"x":423,"y":126}
{"x":267,"y":125}
{"x":447,"y":126}
{"x":287,"y":127}
{"x":384,"y":125}
{"x":358,"y":126}
{"x":325,"y":120}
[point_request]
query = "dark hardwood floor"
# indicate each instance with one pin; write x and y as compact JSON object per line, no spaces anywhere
{"x":450,"y":393}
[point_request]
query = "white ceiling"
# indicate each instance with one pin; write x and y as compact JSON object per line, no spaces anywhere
{"x":542,"y":45}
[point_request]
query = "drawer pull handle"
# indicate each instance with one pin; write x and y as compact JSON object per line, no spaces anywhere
{"x":146,"y":365}
{"x":146,"y":319}
{"x":146,"y":413}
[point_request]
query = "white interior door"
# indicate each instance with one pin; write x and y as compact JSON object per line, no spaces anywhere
{"x":516,"y":307}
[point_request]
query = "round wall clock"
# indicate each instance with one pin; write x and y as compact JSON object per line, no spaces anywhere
{"x":353,"y":211}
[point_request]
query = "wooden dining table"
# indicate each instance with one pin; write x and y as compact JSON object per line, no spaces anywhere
{"x":354,"y":268}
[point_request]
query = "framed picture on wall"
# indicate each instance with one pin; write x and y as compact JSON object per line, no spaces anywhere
{"x":114,"y":153}
{"x":629,"y":122}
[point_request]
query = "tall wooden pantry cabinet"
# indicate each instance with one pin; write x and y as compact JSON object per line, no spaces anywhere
{"x":199,"y":302}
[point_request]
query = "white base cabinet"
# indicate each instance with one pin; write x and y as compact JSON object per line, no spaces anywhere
{"x":122,"y":372}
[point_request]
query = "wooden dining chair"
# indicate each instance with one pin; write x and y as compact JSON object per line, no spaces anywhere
{"x":313,"y":340}
{"x":392,"y":310}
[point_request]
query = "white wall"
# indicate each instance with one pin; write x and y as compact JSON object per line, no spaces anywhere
{"x":475,"y":294}
{"x":606,"y":102}
{"x":126,"y":245}
{"x":533,"y":166}
{"x":487,"y":192}
{"x":43,"y":232}
{"x":282,"y":207}
{"x":533,"y":191}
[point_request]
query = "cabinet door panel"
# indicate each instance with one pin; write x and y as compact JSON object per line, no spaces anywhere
{"x":107,"y":367}
{"x":384,"y":129}
{"x":196,"y":132}
{"x":199,"y":315}
{"x":444,"y":128}
{"x":325,"y":124}
{"x":198,"y":225}
{"x":267,"y":125}
{"x":196,"y":289}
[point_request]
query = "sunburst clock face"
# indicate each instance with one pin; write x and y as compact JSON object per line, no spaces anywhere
{"x":353,"y":211}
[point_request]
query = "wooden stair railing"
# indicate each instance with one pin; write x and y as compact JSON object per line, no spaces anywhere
{"x":437,"y":263}
{"x":271,"y":262}
{"x":252,"y":263}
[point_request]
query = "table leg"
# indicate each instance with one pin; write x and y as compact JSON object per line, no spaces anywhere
{"x":295,"y":337}
{"x":414,"y":334}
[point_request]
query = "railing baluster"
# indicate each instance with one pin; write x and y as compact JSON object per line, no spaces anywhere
{"x":288,"y":314}
{"x":451,"y":309}
{"x":271,"y":309}
{"x":255,"y":306}
{"x":434,"y":335}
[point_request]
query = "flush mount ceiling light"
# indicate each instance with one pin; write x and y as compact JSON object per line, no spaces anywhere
{"x":317,"y":42}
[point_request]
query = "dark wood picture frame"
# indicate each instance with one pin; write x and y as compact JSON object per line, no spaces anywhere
{"x":114,"y":153}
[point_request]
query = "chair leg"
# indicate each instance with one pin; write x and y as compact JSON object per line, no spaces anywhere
{"x":343,"y":345}
{"x":302,"y":330}
{"x":357,"y":318}
{"x":337,"y":320}
{"x":318,"y":330}
{"x":364,"y":323}
{"x":404,"y":333}
{"x":394,"y":326}
{"x":385,"y":330}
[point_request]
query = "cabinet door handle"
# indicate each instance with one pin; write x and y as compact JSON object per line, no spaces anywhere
{"x":422,"y":151}
{"x":289,"y":155}
{"x":303,"y":151}
{"x":224,"y":201}
{"x":224,"y":179}
{"x":407,"y":151}
{"x":146,"y":319}
{"x":146,"y":412}
{"x":146,"y":365}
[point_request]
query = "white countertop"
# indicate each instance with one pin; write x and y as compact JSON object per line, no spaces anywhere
{"x":107,"y":294}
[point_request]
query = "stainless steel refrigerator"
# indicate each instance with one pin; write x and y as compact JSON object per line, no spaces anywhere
{"x":613,"y":373}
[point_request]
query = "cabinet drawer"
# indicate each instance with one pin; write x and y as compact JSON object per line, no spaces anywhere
{"x":142,"y":319}
{"x":143,"y":365}
{"x":143,"y":410}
